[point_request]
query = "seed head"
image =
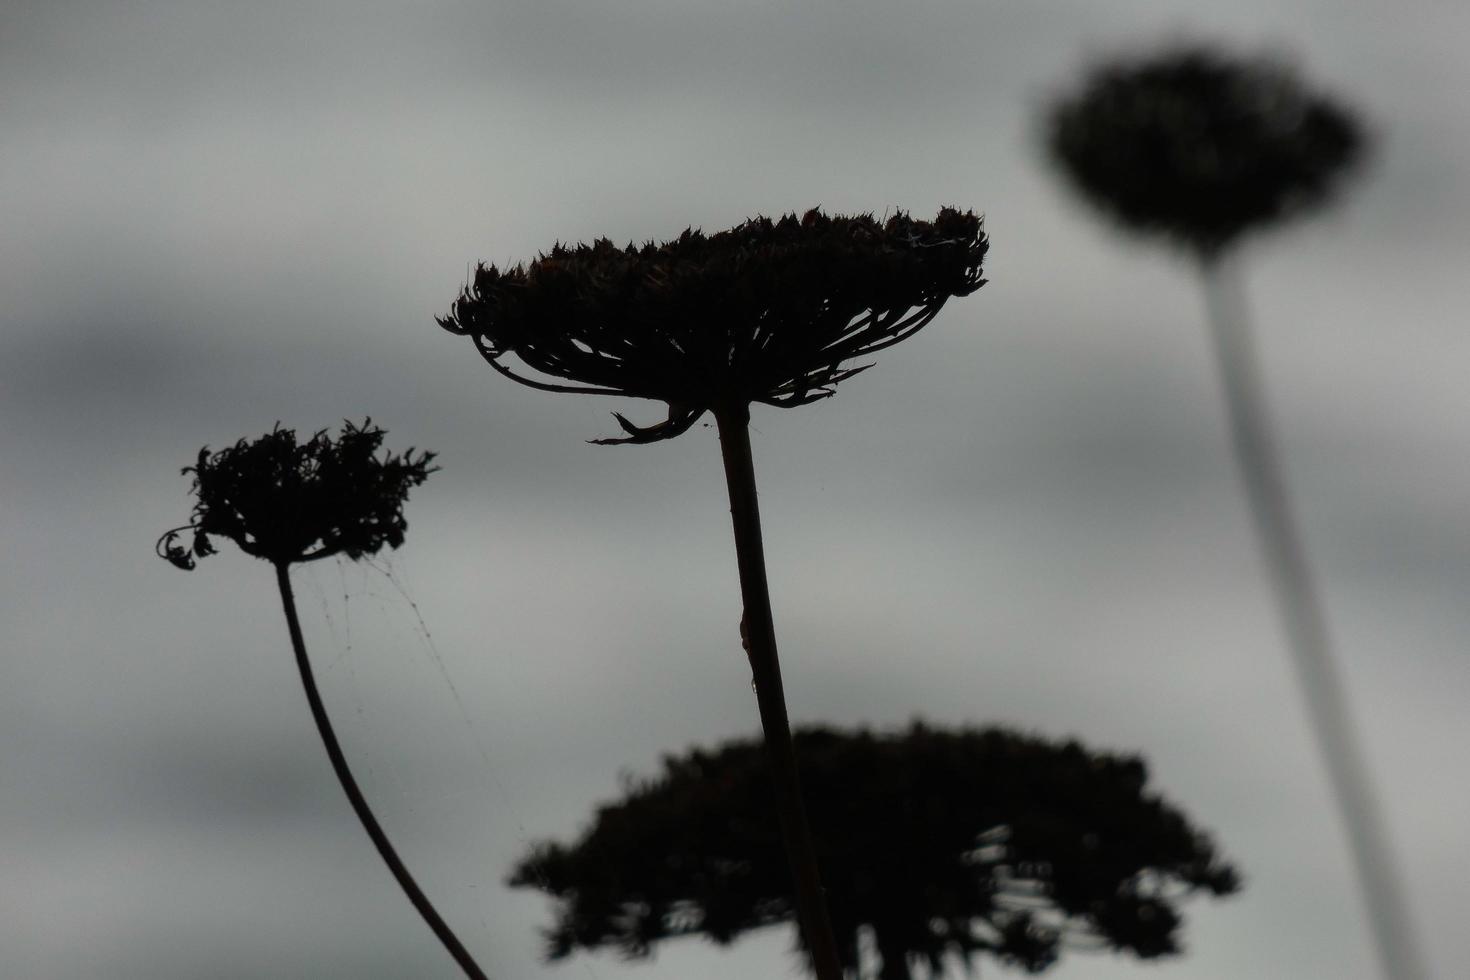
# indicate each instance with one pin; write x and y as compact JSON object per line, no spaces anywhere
{"x":771,"y":311}
{"x":941,"y":842}
{"x":1201,"y":146}
{"x":288,"y":502}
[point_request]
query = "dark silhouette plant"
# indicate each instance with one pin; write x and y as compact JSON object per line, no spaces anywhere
{"x":1203,"y":148}
{"x":287,"y":502}
{"x":769,"y":311}
{"x":945,"y":845}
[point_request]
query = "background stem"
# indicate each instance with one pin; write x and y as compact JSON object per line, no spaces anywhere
{"x":1305,"y":624}
{"x":811,"y":903}
{"x":354,"y":795}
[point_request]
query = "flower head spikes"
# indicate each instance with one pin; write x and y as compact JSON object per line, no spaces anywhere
{"x":770,"y":311}
{"x":1201,"y":146}
{"x":288,"y":502}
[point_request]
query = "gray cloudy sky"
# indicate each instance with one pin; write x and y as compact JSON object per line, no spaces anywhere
{"x":216,"y":215}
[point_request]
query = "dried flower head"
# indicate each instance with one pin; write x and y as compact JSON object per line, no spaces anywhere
{"x":289,"y":502}
{"x":1202,"y":146}
{"x":768,"y":311}
{"x":941,"y":843}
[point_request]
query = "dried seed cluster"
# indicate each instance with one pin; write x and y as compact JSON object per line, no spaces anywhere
{"x":1202,"y":146}
{"x":964,"y":842}
{"x":770,"y":311}
{"x":285,"y":501}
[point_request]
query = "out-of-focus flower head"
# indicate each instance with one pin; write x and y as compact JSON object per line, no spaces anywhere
{"x":1200,"y":145}
{"x":769,"y":311}
{"x":285,"y":501}
{"x":943,"y":843}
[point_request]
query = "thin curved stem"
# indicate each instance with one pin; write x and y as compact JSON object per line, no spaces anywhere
{"x":811,"y":903}
{"x":1301,"y":612}
{"x":354,"y":795}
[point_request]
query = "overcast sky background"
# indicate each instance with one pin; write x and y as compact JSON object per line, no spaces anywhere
{"x":217,"y":215}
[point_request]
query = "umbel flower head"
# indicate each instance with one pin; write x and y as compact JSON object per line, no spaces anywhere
{"x":770,"y":311}
{"x":941,"y":843}
{"x":286,"y":501}
{"x":1202,"y":146}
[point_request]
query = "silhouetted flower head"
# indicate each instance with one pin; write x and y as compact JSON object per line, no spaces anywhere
{"x":944,"y":843}
{"x":770,"y":311}
{"x":1202,"y":146}
{"x":289,"y":502}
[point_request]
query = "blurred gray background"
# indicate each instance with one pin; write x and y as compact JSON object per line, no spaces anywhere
{"x":217,"y":215}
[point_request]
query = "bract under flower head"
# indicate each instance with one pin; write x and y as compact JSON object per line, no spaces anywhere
{"x":1202,"y":146}
{"x":770,"y":311}
{"x":288,"y":502}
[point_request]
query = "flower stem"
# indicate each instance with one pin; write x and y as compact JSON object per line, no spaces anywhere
{"x":1306,"y":628}
{"x":811,"y":904}
{"x":354,"y":795}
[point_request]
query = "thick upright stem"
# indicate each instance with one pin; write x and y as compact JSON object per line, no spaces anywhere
{"x":811,"y":904}
{"x":354,"y":795}
{"x":1305,"y":624}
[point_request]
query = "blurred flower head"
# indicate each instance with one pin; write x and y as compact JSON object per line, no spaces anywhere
{"x":941,"y":842}
{"x":285,"y":501}
{"x":770,"y":311}
{"x":1200,"y":145}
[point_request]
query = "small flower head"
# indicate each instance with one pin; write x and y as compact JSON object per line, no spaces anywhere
{"x":1201,"y":146}
{"x":770,"y":311}
{"x":288,"y":502}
